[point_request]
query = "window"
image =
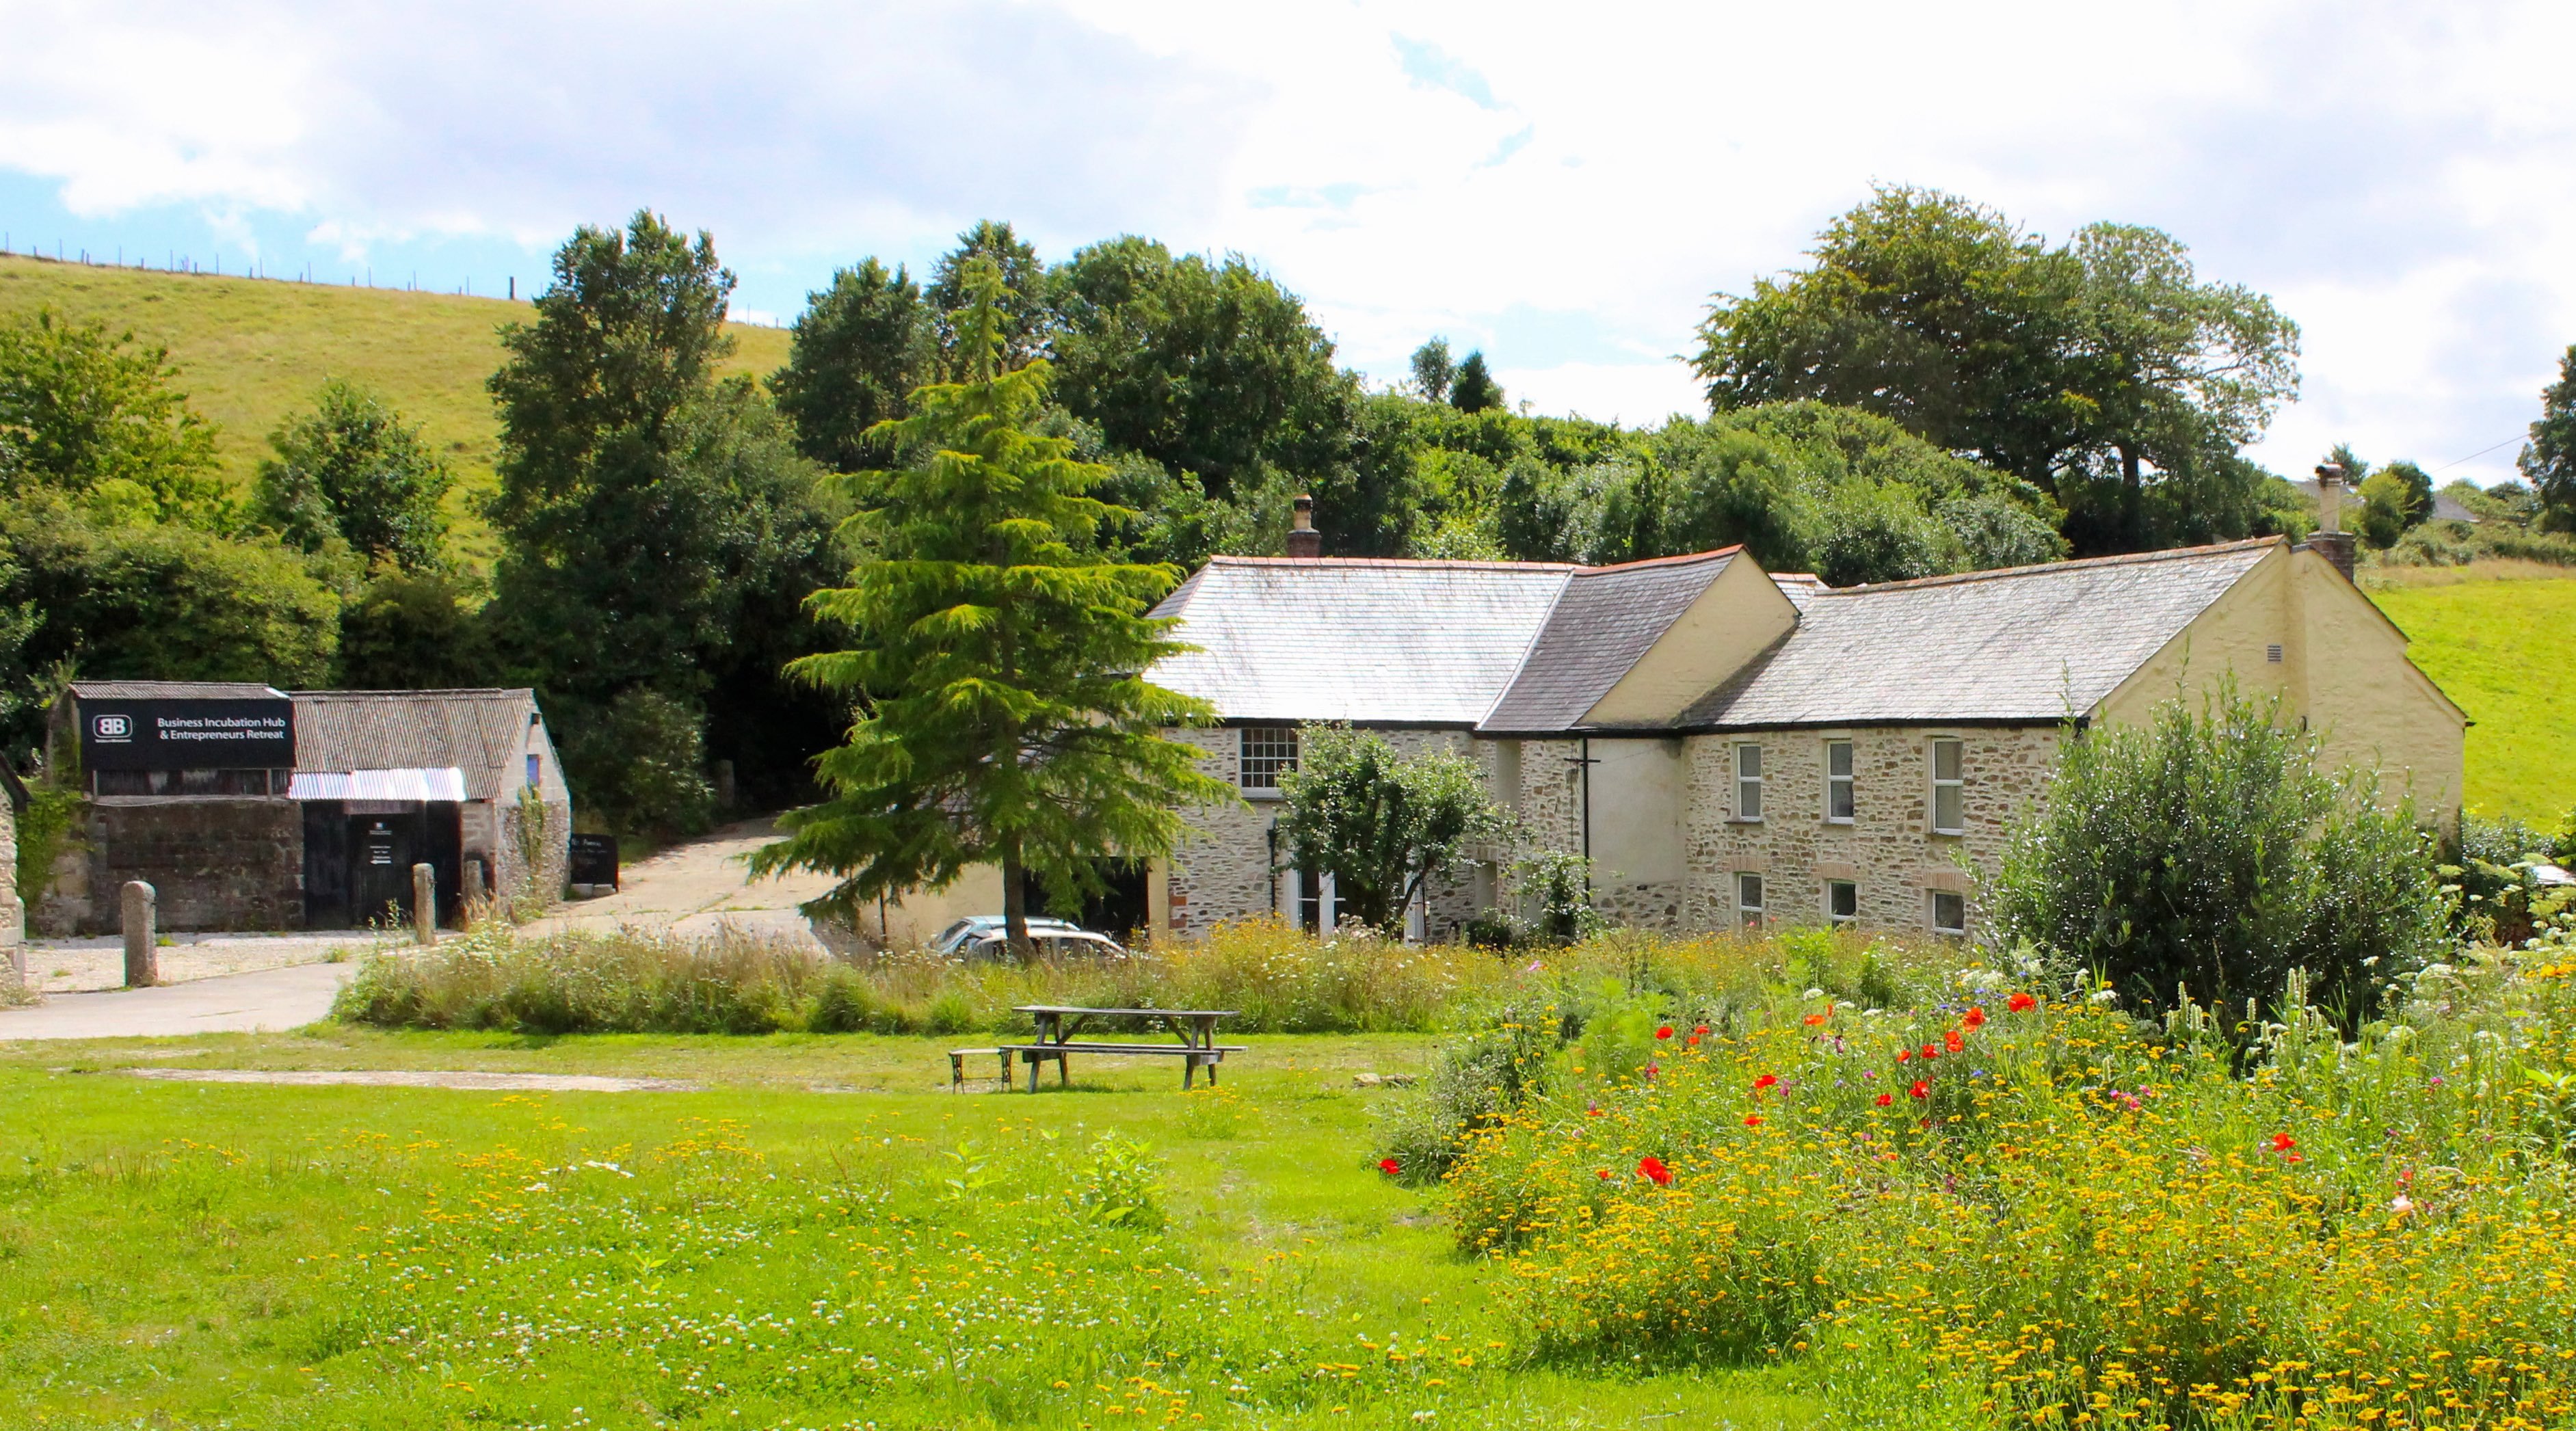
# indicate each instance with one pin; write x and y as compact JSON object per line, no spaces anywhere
{"x":1842,"y":902}
{"x":536,"y":767}
{"x":1949,"y":913}
{"x":1838,"y":782}
{"x":1748,"y":782}
{"x":1949,"y":789}
{"x":1268,"y":752}
{"x":1748,"y":898}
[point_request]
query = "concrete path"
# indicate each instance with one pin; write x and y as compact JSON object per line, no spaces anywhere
{"x":71,"y":966}
{"x":698,"y":888}
{"x":244,"y":1003}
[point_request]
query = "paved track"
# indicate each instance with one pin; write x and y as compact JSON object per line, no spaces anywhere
{"x":243,"y":1003}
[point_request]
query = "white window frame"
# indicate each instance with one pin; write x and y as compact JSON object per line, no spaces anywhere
{"x":1932,"y":912}
{"x":1749,"y":915}
{"x":1840,"y":920}
{"x":1748,"y":810}
{"x":1849,"y":780}
{"x":1293,"y":884}
{"x":1273,"y":764}
{"x":1957,"y":782}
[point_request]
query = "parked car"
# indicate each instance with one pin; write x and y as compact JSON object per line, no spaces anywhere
{"x":957,"y":936}
{"x":1066,"y":943}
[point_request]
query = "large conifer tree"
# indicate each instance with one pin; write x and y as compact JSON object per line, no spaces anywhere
{"x":998,"y":661}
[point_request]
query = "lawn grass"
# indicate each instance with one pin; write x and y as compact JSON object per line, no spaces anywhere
{"x":251,"y":352}
{"x":2504,"y":647}
{"x":202,"y":1254}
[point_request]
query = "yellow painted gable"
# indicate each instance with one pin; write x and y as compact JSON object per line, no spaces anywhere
{"x":1735,"y":620}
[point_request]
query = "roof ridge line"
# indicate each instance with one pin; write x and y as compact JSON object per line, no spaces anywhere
{"x":1428,"y":563}
{"x":1682,"y":559}
{"x":2120,"y":559}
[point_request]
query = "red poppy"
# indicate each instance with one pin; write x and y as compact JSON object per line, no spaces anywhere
{"x":1952,"y":1041}
{"x":1701,"y":1031}
{"x":1903,"y":1054}
{"x":1602,"y":1173}
{"x":1814,"y":1019}
{"x":1931,"y":1050}
{"x":1886,"y":1098}
{"x":1389,"y":1166}
{"x":1691,"y":1042}
{"x":1652,"y":1169}
{"x":1768,"y":1080}
{"x":2283,"y":1142}
{"x":1752,"y":1120}
{"x":1665,"y":1032}
{"x":2021,"y":1003}
{"x":2296,"y":1158}
{"x":1922,"y":1088}
{"x":1976,"y":1018}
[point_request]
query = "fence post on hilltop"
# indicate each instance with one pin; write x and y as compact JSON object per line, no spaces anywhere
{"x":138,"y":906}
{"x":424,"y":905}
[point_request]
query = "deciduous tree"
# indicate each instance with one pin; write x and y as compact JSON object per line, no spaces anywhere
{"x":1381,"y":824}
{"x":96,"y":416}
{"x":861,"y":347}
{"x":354,"y":471}
{"x":2549,"y":458}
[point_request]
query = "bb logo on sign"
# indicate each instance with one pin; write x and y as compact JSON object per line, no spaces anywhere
{"x":112,"y":728}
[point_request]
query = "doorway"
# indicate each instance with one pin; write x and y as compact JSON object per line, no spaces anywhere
{"x":380,"y":860}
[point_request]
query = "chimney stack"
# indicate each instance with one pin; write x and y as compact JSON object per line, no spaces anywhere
{"x":2330,"y":540}
{"x":1303,"y":540}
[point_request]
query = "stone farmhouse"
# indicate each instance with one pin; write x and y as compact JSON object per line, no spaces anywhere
{"x":1734,"y":746}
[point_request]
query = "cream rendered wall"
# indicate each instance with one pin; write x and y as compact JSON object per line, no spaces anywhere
{"x":2343,"y":669}
{"x":1741,"y":613}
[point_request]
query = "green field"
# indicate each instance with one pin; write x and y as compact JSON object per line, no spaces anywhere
{"x":2505,"y":649}
{"x":756,"y":1254}
{"x":251,"y":352}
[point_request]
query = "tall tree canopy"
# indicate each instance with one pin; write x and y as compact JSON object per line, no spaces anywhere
{"x":1474,"y":389}
{"x":656,"y":523}
{"x":96,"y":415}
{"x":861,"y":347}
{"x":997,"y":662}
{"x":2102,"y":370}
{"x":1026,"y":315}
{"x":353,"y":471}
{"x":2549,"y":458}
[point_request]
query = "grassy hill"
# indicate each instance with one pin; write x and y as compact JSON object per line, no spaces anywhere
{"x":252,"y":351}
{"x":2502,"y":641}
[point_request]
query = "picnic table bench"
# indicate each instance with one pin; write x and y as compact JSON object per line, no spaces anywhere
{"x":1058,"y":1027}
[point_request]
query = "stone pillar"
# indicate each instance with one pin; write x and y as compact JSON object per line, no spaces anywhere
{"x":142,"y":936}
{"x":477,"y":895}
{"x":424,"y":905}
{"x":724,"y":785}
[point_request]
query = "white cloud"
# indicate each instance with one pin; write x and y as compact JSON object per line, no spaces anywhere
{"x":1564,"y":186}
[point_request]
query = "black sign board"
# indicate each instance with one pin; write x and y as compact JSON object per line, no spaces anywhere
{"x":187,"y":735}
{"x":594,"y":861}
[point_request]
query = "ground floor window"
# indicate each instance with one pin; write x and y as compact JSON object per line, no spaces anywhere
{"x":1310,"y":899}
{"x":1842,"y":902}
{"x":1949,"y":913}
{"x":1748,"y":898}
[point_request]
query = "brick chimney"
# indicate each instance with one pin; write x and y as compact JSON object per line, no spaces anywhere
{"x":2330,"y":540}
{"x":1303,"y":540}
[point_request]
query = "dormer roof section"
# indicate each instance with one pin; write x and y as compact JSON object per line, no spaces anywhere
{"x":1634,"y":645}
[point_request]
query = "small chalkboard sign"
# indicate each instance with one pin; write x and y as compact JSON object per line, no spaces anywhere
{"x":594,"y":860}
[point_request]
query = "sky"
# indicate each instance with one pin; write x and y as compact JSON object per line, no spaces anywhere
{"x":1562,"y":186}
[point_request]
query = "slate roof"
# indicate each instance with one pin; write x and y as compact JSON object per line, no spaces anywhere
{"x":1603,"y":621}
{"x":482,"y":733}
{"x":2024,"y":644}
{"x":175,"y":691}
{"x":1347,"y":639}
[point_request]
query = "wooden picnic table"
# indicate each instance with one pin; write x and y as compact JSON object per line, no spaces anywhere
{"x":1058,"y":1027}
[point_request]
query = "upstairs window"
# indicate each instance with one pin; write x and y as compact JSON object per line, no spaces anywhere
{"x":1748,"y":782}
{"x":1949,"y":788}
{"x":1267,"y":752}
{"x":1838,"y":782}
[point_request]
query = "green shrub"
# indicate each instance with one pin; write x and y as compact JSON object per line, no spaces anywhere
{"x":2208,"y":852}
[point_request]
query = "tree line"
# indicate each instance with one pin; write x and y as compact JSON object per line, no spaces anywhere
{"x":1935,"y":391}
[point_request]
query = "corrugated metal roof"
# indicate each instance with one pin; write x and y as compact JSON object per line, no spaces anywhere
{"x":482,"y":733}
{"x":1601,"y":624}
{"x":175,"y":691}
{"x":1337,"y":639}
{"x":2023,"y":644}
{"x":446,"y":783}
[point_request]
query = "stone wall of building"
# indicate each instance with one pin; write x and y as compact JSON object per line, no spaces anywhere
{"x":213,"y":863}
{"x":13,"y":917}
{"x":1888,"y":850}
{"x":1223,"y":868}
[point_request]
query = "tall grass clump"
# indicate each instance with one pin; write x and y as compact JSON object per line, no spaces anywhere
{"x":1278,"y":979}
{"x":2026,"y":1209}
